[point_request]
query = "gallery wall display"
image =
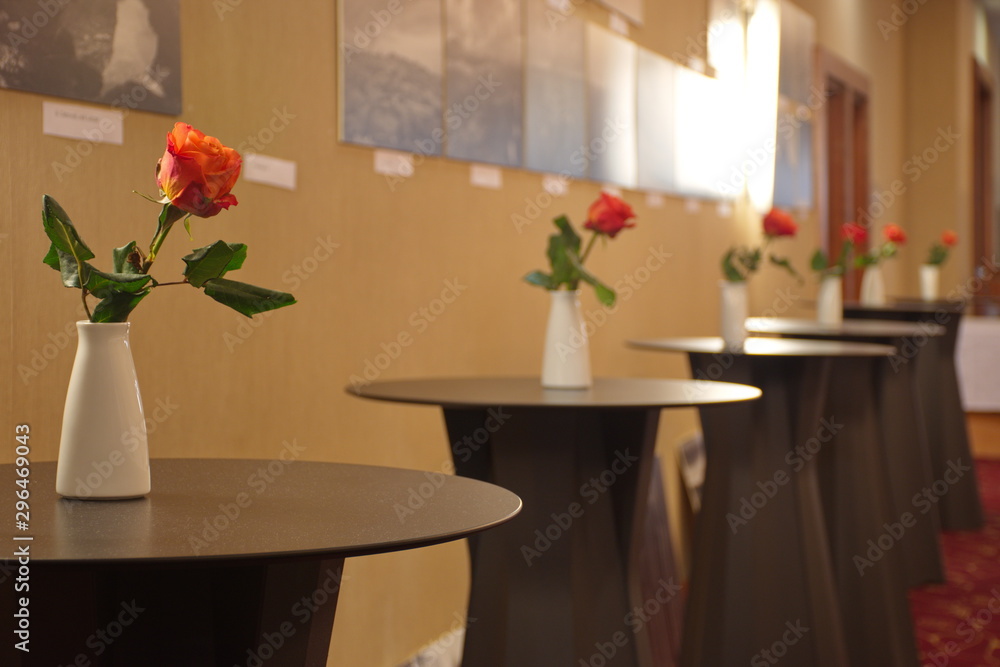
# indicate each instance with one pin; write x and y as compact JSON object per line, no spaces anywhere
{"x":793,"y":169}
{"x":555,"y":93}
{"x":123,"y":53}
{"x":501,"y":82}
{"x":483,"y":81}
{"x":392,"y":73}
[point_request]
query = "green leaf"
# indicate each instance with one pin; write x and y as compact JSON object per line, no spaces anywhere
{"x":818,"y":262}
{"x":540,"y":279}
{"x":246,"y":299}
{"x":605,"y":294}
{"x":120,"y":257}
{"x":729,"y":270}
{"x":60,"y":230}
{"x":568,"y":234}
{"x":117,"y":306}
{"x":52,"y":257}
{"x":67,"y":266}
{"x":562,"y":268}
{"x":784,"y":263}
{"x":104,"y":285}
{"x":213,"y":261}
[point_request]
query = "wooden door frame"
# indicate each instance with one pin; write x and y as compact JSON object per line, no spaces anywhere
{"x":842,"y":174}
{"x":983,"y":223}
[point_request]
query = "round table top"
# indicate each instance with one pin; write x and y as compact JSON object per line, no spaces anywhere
{"x":767,"y":347}
{"x":847,"y":328}
{"x":211,"y":509}
{"x":528,"y":392}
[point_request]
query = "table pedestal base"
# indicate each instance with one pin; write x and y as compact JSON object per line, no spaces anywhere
{"x":762,"y":578}
{"x":560,"y":583}
{"x":278,"y":615}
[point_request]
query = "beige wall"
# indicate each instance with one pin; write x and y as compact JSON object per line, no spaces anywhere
{"x":397,"y":250}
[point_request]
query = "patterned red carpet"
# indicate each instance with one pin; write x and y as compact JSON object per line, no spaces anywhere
{"x":958,"y":623}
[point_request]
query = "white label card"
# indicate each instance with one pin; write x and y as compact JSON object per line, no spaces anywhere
{"x":692,"y":205}
{"x":79,"y":122}
{"x":557,"y":186}
{"x":394,"y":163}
{"x":618,"y":24}
{"x":654,"y":200}
{"x":274,"y":171}
{"x":486,"y":177}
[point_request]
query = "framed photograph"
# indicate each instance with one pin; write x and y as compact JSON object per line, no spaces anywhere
{"x":391,"y":74}
{"x":483,"y":114}
{"x":123,"y":53}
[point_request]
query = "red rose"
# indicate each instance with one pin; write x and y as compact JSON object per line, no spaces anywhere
{"x":854,"y":233}
{"x":609,"y":215}
{"x":949,"y":238}
{"x":894,"y":234}
{"x":197,"y":172}
{"x":779,"y":223}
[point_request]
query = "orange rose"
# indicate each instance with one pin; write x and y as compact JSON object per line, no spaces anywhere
{"x":779,"y":223}
{"x":894,"y":234}
{"x":609,"y":215}
{"x":197,"y":172}
{"x":855,"y":233}
{"x":949,"y":238}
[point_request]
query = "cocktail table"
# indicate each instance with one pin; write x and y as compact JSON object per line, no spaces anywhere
{"x":901,"y":418}
{"x":765,"y":565}
{"x":225,"y":562}
{"x":956,"y":490}
{"x":560,"y":584}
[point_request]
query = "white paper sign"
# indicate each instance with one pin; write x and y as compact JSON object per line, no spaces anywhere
{"x":274,"y":171}
{"x":557,"y":186}
{"x":692,"y":205}
{"x":612,"y":190}
{"x":393,"y":163}
{"x":618,"y":24}
{"x":654,"y":200}
{"x":78,"y":122}
{"x":483,"y":176}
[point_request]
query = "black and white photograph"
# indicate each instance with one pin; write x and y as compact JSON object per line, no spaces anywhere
{"x":483,"y":99}
{"x":554,"y":93}
{"x":391,"y":63}
{"x":655,"y":122}
{"x":611,"y":99}
{"x":123,"y":53}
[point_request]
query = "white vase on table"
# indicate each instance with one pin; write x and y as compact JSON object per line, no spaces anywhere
{"x":930,"y":279}
{"x":733,"y":313}
{"x":829,"y":301}
{"x":566,"y":358}
{"x":103,"y":451}
{"x":873,"y":286}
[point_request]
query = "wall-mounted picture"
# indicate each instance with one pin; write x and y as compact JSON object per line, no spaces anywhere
{"x":630,"y":9}
{"x":611,"y":102}
{"x":123,"y":53}
{"x":391,"y":74}
{"x":483,"y":98}
{"x":555,"y":97}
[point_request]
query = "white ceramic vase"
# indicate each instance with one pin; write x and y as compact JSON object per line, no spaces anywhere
{"x":733,"y":313}
{"x":873,"y":286}
{"x":930,"y":278}
{"x":566,"y":359}
{"x":103,"y":452}
{"x":829,"y":301}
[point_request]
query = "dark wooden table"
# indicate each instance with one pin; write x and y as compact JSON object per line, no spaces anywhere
{"x":901,"y":419}
{"x":956,"y":490}
{"x":764,"y":562}
{"x":225,"y":562}
{"x":560,"y":585}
